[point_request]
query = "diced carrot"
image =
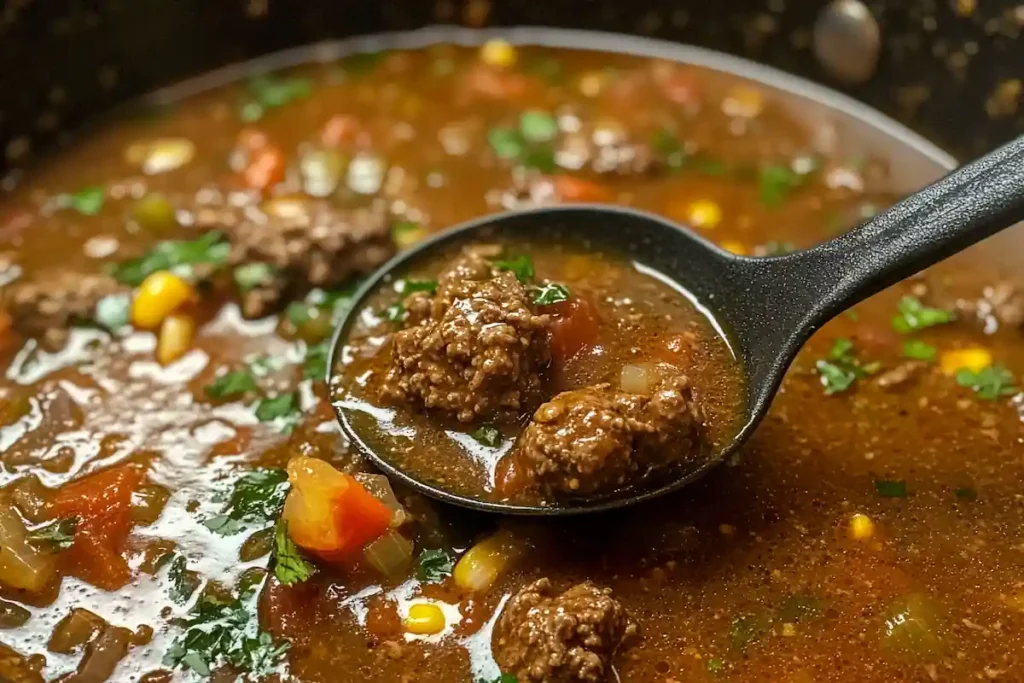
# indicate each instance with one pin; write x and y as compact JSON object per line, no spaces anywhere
{"x":265,"y":169}
{"x":574,"y":327}
{"x":339,"y":130}
{"x":102,"y":504}
{"x":330,"y":513}
{"x":572,"y":189}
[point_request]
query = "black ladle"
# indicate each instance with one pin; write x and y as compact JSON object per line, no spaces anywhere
{"x":768,"y":307}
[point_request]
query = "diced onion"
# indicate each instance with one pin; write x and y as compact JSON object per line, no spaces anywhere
{"x":391,"y":554}
{"x":637,"y":379}
{"x":380,"y":487}
{"x":486,"y":561}
{"x":21,"y":564}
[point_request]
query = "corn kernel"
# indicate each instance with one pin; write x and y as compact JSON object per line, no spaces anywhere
{"x":735,"y":247}
{"x":424,"y":619}
{"x":175,"y":338}
{"x":498,"y":52}
{"x":860,"y":528}
{"x":704,"y":213}
{"x":974,"y":358}
{"x":482,"y":564}
{"x":159,"y":295}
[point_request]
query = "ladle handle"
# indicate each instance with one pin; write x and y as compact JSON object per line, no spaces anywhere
{"x":966,"y":206}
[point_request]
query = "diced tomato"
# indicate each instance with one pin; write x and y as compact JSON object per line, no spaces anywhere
{"x":572,"y":189}
{"x":339,"y":130}
{"x":252,"y":140}
{"x":496,"y":83}
{"x":102,"y":503}
{"x":330,"y":513}
{"x":236,"y":445}
{"x":265,"y":169}
{"x":574,"y":327}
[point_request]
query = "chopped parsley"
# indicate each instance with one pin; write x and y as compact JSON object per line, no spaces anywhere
{"x":550,"y":293}
{"x":668,"y":148}
{"x":231,"y":384}
{"x":502,"y":678}
{"x":888,"y":488}
{"x":776,"y":182}
{"x":269,"y":92}
{"x":183,"y":583}
{"x":362,"y":63}
{"x":407,"y":287}
{"x":395,"y":313}
{"x":225,"y":632}
{"x":252,"y":275}
{"x":434,"y":566}
{"x":272,"y":408}
{"x":318,"y":301}
{"x":520,"y":265}
{"x":180,"y":256}
{"x":257,"y":497}
{"x":57,"y":535}
{"x":507,"y":143}
{"x":989,"y":384}
{"x":488,"y":435}
{"x":314,"y":365}
{"x":912,"y":316}
{"x":841,"y":369}
{"x":537,"y":126}
{"x":290,"y":567}
{"x":919,"y":350}
{"x":88,"y":201}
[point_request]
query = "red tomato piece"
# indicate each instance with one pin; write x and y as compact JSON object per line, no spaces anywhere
{"x":339,"y":130}
{"x":574,"y":328}
{"x":265,"y":169}
{"x":573,"y":189}
{"x":102,"y":503}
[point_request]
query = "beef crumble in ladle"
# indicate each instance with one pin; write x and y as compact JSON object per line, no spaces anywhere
{"x":767,"y":307}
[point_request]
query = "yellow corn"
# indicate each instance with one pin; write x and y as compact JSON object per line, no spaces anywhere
{"x":424,"y":619}
{"x":482,"y":564}
{"x":406,"y":235}
{"x":704,"y":213}
{"x":498,"y":52}
{"x":860,"y":528}
{"x":734,"y":246}
{"x":974,"y":358}
{"x":159,"y":295}
{"x":175,"y":338}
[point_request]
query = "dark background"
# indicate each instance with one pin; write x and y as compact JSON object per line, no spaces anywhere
{"x":949,"y":68}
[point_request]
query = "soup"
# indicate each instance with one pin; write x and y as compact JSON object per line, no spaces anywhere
{"x":177,"y":500}
{"x":539,"y":372}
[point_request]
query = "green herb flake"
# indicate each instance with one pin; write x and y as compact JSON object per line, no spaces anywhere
{"x":912,"y":316}
{"x":540,"y":157}
{"x":550,"y":293}
{"x":362,"y":63}
{"x":966,"y":493}
{"x":270,"y":91}
{"x":395,"y":313}
{"x":231,"y":384}
{"x":668,"y":148}
{"x":507,"y":143}
{"x":88,"y":201}
{"x":776,"y":182}
{"x":182,"y":257}
{"x":487,"y":435}
{"x":290,"y":567}
{"x":888,"y":488}
{"x":57,"y":535}
{"x":989,"y":384}
{"x":434,"y":566}
{"x":407,"y":287}
{"x":537,"y":126}
{"x":281,"y":406}
{"x":502,"y":678}
{"x":225,"y":632}
{"x":183,"y":583}
{"x":520,"y":265}
{"x":113,"y":312}
{"x":314,"y":364}
{"x":919,"y":350}
{"x":256,"y":497}
{"x":841,"y":368}
{"x":715,"y":666}
{"x":252,"y":275}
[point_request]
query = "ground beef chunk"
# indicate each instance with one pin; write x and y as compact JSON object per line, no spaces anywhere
{"x":46,"y":305}
{"x":474,"y":348}
{"x":308,"y":242}
{"x":596,"y":440}
{"x":546,"y":637}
